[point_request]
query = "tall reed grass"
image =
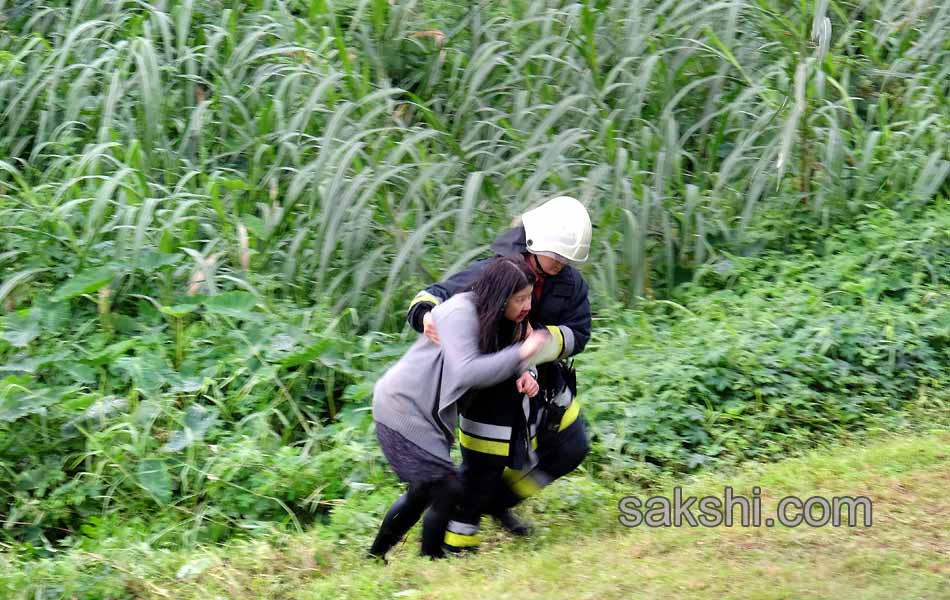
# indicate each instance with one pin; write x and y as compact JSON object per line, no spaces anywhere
{"x":353,"y":150}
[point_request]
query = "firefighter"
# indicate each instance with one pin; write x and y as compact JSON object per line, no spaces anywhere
{"x":553,"y":238}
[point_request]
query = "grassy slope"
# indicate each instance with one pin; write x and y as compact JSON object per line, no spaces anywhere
{"x":581,"y":552}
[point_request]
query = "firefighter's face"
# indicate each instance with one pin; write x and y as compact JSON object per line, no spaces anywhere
{"x":519,"y":305}
{"x":551,"y":266}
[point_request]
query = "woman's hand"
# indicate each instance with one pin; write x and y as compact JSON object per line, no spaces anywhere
{"x":534,"y":343}
{"x":527,"y":384}
{"x":428,"y":328}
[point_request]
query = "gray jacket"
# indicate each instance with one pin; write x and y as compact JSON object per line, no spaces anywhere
{"x":417,"y":396}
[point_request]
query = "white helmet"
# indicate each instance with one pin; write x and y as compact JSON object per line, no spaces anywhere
{"x":560,"y":226}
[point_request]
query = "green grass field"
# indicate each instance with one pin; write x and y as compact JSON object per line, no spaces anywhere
{"x":580,"y":551}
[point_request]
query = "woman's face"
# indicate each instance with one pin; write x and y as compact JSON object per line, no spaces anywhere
{"x":519,"y":305}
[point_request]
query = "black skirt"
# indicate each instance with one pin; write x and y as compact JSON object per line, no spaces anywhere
{"x":411,"y":463}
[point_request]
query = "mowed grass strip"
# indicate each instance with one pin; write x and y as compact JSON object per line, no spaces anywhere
{"x":581,"y":551}
{"x":904,"y":554}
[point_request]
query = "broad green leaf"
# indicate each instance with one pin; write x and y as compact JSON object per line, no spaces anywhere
{"x":146,"y":372}
{"x":308,"y":354}
{"x":52,"y":315}
{"x":179,"y":310}
{"x":198,"y":420}
{"x":31,"y":364}
{"x":186,"y":385}
{"x":178,"y":441}
{"x":16,"y":279}
{"x":232,"y":304}
{"x":125,"y":325}
{"x":97,"y":415}
{"x":17,"y":400}
{"x":152,"y":260}
{"x":85,"y":282}
{"x":20,"y":329}
{"x":110,"y":352}
{"x":153,"y":475}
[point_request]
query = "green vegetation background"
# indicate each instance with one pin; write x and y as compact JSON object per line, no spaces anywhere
{"x":213,"y":214}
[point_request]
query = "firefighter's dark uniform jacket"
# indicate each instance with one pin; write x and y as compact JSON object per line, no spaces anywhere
{"x":563,"y":307}
{"x":490,"y":422}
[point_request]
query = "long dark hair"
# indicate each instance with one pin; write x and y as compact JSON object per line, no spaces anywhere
{"x":503,"y":276}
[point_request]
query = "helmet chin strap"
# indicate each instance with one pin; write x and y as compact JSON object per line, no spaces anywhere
{"x":537,"y":265}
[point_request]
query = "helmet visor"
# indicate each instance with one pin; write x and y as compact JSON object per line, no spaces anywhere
{"x":557,"y":257}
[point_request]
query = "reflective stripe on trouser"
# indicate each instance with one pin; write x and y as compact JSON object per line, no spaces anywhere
{"x":565,"y":455}
{"x":486,"y":438}
{"x":526,"y":483}
{"x":459,"y":534}
{"x":490,"y":486}
{"x":481,"y":473}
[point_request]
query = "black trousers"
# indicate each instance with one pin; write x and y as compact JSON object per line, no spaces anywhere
{"x":435,"y":488}
{"x":489,"y":487}
{"x":440,"y":497}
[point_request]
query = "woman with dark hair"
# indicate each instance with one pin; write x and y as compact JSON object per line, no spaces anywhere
{"x":415,"y":404}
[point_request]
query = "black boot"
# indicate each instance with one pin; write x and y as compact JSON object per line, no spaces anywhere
{"x":445,"y":496}
{"x":383,"y":543}
{"x":433,"y":533}
{"x":402,"y":515}
{"x":512,"y":523}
